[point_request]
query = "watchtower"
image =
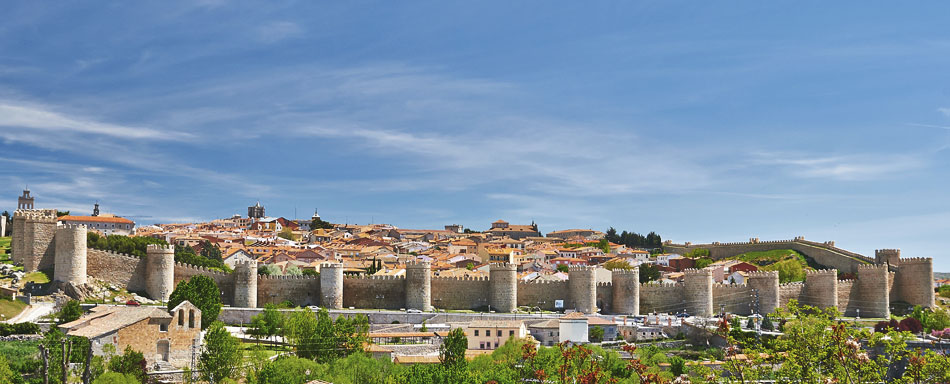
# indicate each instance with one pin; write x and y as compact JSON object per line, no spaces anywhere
{"x":582,"y":284}
{"x":874,"y":290}
{"x":626,"y":291}
{"x":766,"y":286}
{"x":419,"y":286}
{"x":698,"y":284}
{"x":914,"y":281}
{"x":887,"y":256}
{"x":245,"y":284}
{"x":821,"y":288}
{"x":38,"y":248}
{"x":159,"y":271}
{"x":331,"y":285}
{"x":503,"y":283}
{"x":70,"y":259}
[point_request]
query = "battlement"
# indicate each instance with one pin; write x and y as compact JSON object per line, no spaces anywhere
{"x":626,"y":272}
{"x":727,"y":285}
{"x":542,"y":282}
{"x":331,"y":265}
{"x":502,"y":266}
{"x":792,"y":284}
{"x":762,"y":275}
{"x":201,"y":270}
{"x":70,"y":227}
{"x":887,"y":252}
{"x":158,"y":248}
{"x":373,"y":277}
{"x":653,"y":284}
{"x":698,"y":272}
{"x":872,"y":267}
{"x":573,"y":268}
{"x":36,"y":214}
{"x":605,"y":284}
{"x":289,"y":277}
{"x":916,"y":260}
{"x":418,"y":265}
{"x":822,"y":272}
{"x":460,"y":278}
{"x":245,"y":264}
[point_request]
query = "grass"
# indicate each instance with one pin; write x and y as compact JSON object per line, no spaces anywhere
{"x":790,"y":264}
{"x":5,"y":249}
{"x":36,"y":277}
{"x":10,"y":308}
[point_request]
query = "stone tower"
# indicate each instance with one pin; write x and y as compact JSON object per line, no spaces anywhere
{"x":70,"y":260}
{"x":503,"y":280}
{"x":159,"y":271}
{"x":38,"y":248}
{"x":331,"y":285}
{"x":17,"y":245}
{"x":698,"y":285}
{"x":821,"y":288}
{"x":255,"y":211}
{"x":765,"y":284}
{"x":874,"y":290}
{"x":419,"y":286}
{"x":914,"y":281}
{"x":245,"y":284}
{"x":626,"y":291}
{"x":582,"y":286}
{"x":25,"y":201}
{"x":887,"y":256}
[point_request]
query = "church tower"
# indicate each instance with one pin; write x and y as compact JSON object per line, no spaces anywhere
{"x":25,"y":201}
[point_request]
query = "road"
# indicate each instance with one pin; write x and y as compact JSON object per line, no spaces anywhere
{"x":32,"y":313}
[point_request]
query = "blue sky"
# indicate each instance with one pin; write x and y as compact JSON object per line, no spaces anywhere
{"x":701,"y":121}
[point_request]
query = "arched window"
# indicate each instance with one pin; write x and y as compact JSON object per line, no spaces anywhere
{"x":191,"y":318}
{"x":181,"y":317}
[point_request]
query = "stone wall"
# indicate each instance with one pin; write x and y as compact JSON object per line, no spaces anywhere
{"x":160,"y":271}
{"x":605,"y":297}
{"x":872,"y":295}
{"x":459,"y":293}
{"x":661,"y":298}
{"x":385,"y":292}
{"x":790,"y":291}
{"x":823,"y":253}
{"x":541,"y":294}
{"x":626,"y":291}
{"x":846,"y":290}
{"x":734,"y":298}
{"x":17,"y":243}
{"x":914,"y":281}
{"x":503,"y":285}
{"x":39,"y":231}
{"x":821,"y":288}
{"x":582,"y":283}
{"x":70,"y":255}
{"x":225,"y":281}
{"x":122,"y":270}
{"x":300,"y":290}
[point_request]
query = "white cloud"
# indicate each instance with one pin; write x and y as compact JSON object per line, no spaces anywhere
{"x":18,"y":116}
{"x":845,"y":168}
{"x":945,"y":111}
{"x":277,"y":31}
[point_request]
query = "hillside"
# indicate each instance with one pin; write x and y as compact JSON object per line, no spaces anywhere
{"x":790,"y":264}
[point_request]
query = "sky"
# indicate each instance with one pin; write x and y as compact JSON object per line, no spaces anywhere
{"x":702,"y":121}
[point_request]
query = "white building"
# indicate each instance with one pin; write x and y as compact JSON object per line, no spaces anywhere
{"x":108,"y":225}
{"x":573,"y":328}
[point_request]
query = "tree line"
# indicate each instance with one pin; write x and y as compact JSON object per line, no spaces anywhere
{"x":634,"y":240}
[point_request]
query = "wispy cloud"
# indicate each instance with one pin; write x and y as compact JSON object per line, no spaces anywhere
{"x":843,"y":168}
{"x":944,"y":111}
{"x":277,"y":31}
{"x":36,"y":117}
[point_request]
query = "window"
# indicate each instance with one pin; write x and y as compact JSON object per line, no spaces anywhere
{"x":181,"y":317}
{"x":476,"y":332}
{"x":511,"y":333}
{"x":481,"y":345}
{"x":496,"y":345}
{"x":163,"y":327}
{"x":498,"y":333}
{"x":191,"y":319}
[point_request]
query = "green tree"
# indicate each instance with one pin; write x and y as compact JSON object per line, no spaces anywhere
{"x":617,"y":264}
{"x":596,"y":334}
{"x":116,"y":378}
{"x":293,"y":270}
{"x":649,"y":272}
{"x":203,"y":293}
{"x":129,"y":363}
{"x":318,"y":223}
{"x":268,"y":270}
{"x":286,"y":233}
{"x":452,"y":350}
{"x":563,"y":268}
{"x":71,"y":311}
{"x":677,"y":365}
{"x":222,"y":355}
{"x":6,"y":373}
{"x":603,"y":245}
{"x":703,"y":262}
{"x":268,"y":323}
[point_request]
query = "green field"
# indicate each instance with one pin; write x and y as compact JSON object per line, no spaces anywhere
{"x":790,"y":264}
{"x":10,"y":308}
{"x":5,"y":249}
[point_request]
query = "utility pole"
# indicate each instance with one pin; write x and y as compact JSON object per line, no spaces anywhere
{"x":45,"y":353}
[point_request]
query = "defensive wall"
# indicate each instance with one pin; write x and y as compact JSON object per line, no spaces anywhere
{"x":41,"y":242}
{"x":824,"y":253}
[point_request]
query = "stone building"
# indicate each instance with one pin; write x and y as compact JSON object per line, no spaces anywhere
{"x":491,"y":334}
{"x":256,"y":211}
{"x":108,"y":225}
{"x":163,"y":337}
{"x":502,"y":228}
{"x":25,"y":201}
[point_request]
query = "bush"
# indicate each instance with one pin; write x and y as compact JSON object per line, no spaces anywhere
{"x":116,"y":378}
{"x":19,"y":329}
{"x":70,"y":312}
{"x":130,"y":363}
{"x":911,"y":324}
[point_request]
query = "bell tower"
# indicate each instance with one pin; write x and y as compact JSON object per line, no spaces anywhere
{"x":25,"y":201}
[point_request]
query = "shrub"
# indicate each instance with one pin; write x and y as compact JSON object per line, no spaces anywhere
{"x":19,"y":329}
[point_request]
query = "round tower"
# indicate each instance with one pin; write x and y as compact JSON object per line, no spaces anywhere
{"x":765,"y":284}
{"x":582,"y":284}
{"x":245,"y":284}
{"x":331,"y":285}
{"x":17,"y":245}
{"x":698,"y":284}
{"x":70,"y":260}
{"x":914,"y":281}
{"x":887,"y":256}
{"x":626,"y":291}
{"x":874,"y":290}
{"x":419,"y":286}
{"x":503,"y":280}
{"x":159,"y":271}
{"x":821,"y":288}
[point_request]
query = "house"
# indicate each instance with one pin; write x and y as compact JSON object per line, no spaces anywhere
{"x":502,"y":228}
{"x":491,"y":334}
{"x":573,"y":328}
{"x":586,"y":234}
{"x":568,"y":261}
{"x":237,"y":256}
{"x":609,"y":327}
{"x":163,"y":337}
{"x":546,"y":332}
{"x":465,"y":246}
{"x":664,"y":259}
{"x":108,"y":225}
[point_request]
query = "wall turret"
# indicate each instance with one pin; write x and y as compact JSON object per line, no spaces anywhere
{"x":766,"y":286}
{"x":582,"y":284}
{"x":419,"y":286}
{"x":331,"y":285}
{"x":821,"y":288}
{"x":874,"y":290}
{"x":159,"y":271}
{"x":245,"y":284}
{"x":626,"y":291}
{"x":503,"y":281}
{"x":914,"y":281}
{"x":38,"y":249}
{"x":70,"y":251}
{"x":698,"y":285}
{"x":887,"y":256}
{"x":17,"y":245}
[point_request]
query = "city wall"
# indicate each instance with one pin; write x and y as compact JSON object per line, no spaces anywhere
{"x":877,"y":284}
{"x":823,"y":253}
